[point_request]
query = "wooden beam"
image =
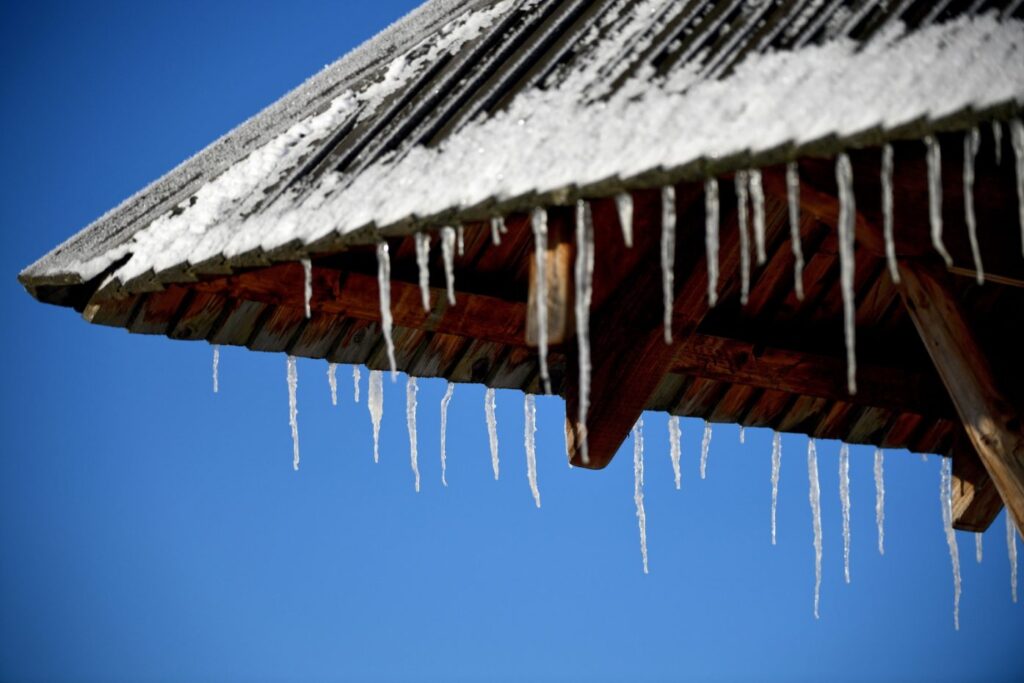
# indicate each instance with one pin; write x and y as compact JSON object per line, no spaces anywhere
{"x":992,"y":423}
{"x":976,"y":502}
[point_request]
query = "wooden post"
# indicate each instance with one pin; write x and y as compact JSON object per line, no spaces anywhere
{"x":992,"y":423}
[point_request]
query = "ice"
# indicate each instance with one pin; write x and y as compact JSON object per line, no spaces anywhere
{"x":384,"y":285}
{"x":711,"y":209}
{"x":624,"y":205}
{"x":1017,"y":138}
{"x":887,"y":228}
{"x":638,"y":486}
{"x":530,"y":442}
{"x":216,"y":368}
{"x":972,"y":140}
{"x":880,"y":499}
{"x":584,"y":277}
{"x":448,"y":256}
{"x":997,"y":141}
{"x":934,"y":157}
{"x":410,"y":421}
{"x":307,"y":283}
{"x":977,"y":546}
{"x":1011,"y":549}
{"x":814,"y":494}
{"x":742,"y":191}
{"x":844,"y":499}
{"x":793,"y":199}
{"x":332,"y":381}
{"x":375,"y":403}
{"x":539,"y":223}
{"x":497,"y":229}
{"x":668,"y":255}
{"x":675,"y":447}
{"x":444,"y":431}
{"x":461,"y":239}
{"x":492,"y":429}
{"x":355,"y":382}
{"x":705,"y":446}
{"x":847,"y":213}
{"x":776,"y":466}
{"x":743,"y":434}
{"x":293,"y":410}
{"x":757,"y":203}
{"x":946,"y":498}
{"x":423,"y":266}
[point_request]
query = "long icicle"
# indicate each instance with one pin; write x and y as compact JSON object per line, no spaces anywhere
{"x":1011,"y":550}
{"x":946,"y":498}
{"x":814,"y":494}
{"x":497,"y":229}
{"x":1017,"y":139}
{"x":675,"y":447}
{"x":997,"y":141}
{"x":461,"y":239}
{"x":844,"y":178}
{"x":410,"y":421}
{"x":448,"y":257}
{"x":743,"y":434}
{"x":384,"y":286}
{"x":444,"y":431}
{"x":972,"y":141}
{"x":423,"y":266}
{"x":934,"y":158}
{"x":880,"y":499}
{"x":624,"y":206}
{"x":638,"y":486}
{"x":539,"y":222}
{"x":216,"y":368}
{"x":375,"y":403}
{"x":742,"y":192}
{"x":977,"y":546}
{"x":793,"y":199}
{"x":530,"y":442}
{"x":776,"y":467}
{"x":293,"y":409}
{"x":307,"y":283}
{"x":887,"y":224}
{"x":711,"y":221}
{"x":668,"y":255}
{"x":355,"y":382}
{"x":844,"y":498}
{"x":705,"y":447}
{"x":757,"y":204}
{"x":584,"y":279}
{"x":332,"y":382}
{"x":492,"y":429}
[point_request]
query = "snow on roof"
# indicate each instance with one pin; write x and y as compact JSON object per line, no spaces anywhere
{"x":592,"y":113}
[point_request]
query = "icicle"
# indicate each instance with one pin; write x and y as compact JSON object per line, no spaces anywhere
{"x":332,"y":381}
{"x":814,"y":494}
{"x":890,"y":243}
{"x":307,"y":286}
{"x":776,"y":466}
{"x":742,"y":191}
{"x":757,"y":202}
{"x":675,"y":447}
{"x":743,"y":434}
{"x":444,"y":431}
{"x":972,"y":140}
{"x":1011,"y":549}
{"x":448,"y":256}
{"x":880,"y":499}
{"x":216,"y":368}
{"x":423,"y":265}
{"x":705,"y":446}
{"x":529,"y":440}
{"x":793,"y":198}
{"x":461,"y":230}
{"x":492,"y":429}
{"x":375,"y":402}
{"x":844,"y":498}
{"x":497,"y":229}
{"x":539,"y":222}
{"x":844,"y":178}
{"x":711,"y":207}
{"x":977,"y":546}
{"x":1017,"y":138}
{"x":997,"y":141}
{"x":934,"y":156}
{"x":946,"y":498}
{"x":355,"y":382}
{"x":384,"y":286}
{"x":293,"y":410}
{"x":410,"y":421}
{"x":668,"y":254}
{"x":624,"y":204}
{"x":638,"y":486}
{"x":584,"y":277}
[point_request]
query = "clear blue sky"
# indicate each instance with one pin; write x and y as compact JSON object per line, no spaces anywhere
{"x":150,"y":530}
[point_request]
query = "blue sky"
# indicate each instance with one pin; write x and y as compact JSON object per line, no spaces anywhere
{"x":150,"y":530}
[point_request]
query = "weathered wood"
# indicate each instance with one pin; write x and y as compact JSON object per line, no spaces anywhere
{"x":990,"y":420}
{"x":558,"y":264}
{"x":976,"y":502}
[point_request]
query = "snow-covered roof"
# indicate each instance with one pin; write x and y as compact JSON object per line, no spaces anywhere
{"x":469,"y":108}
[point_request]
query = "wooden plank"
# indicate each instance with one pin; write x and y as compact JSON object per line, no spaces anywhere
{"x":159,"y":310}
{"x":991,"y":421}
{"x":199,"y":316}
